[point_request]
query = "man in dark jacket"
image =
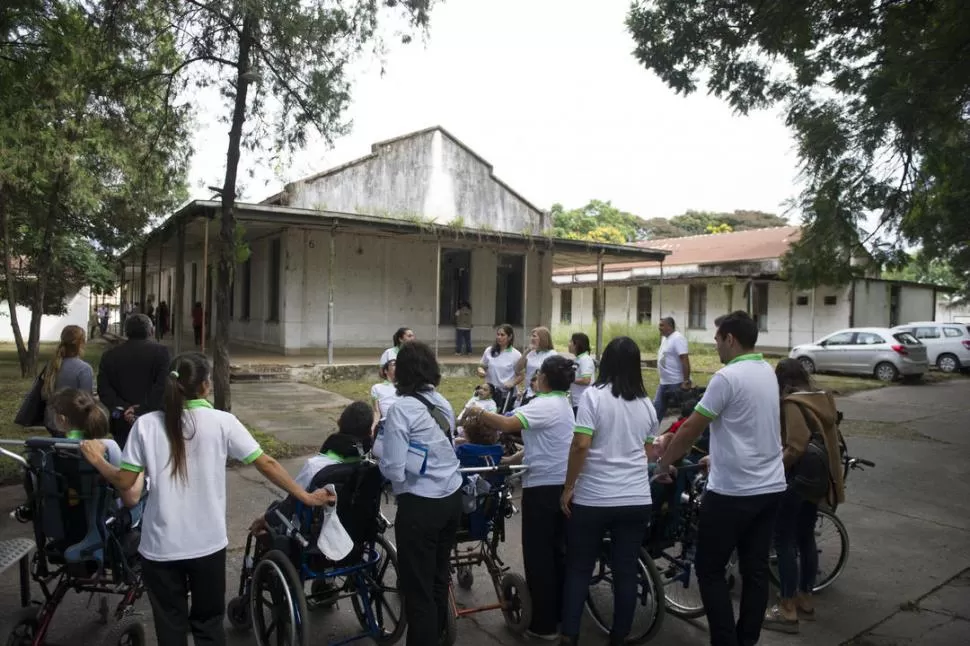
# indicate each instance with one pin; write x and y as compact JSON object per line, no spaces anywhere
{"x":131,"y":377}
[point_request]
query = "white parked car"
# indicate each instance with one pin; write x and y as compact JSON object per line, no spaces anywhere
{"x":947,"y":344}
{"x":880,"y":352}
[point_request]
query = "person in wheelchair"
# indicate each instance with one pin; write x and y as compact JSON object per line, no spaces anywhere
{"x":345,"y":447}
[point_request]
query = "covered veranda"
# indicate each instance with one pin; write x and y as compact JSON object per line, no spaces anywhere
{"x":320,"y":273}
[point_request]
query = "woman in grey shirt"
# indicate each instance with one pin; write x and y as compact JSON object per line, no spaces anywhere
{"x":66,"y":370}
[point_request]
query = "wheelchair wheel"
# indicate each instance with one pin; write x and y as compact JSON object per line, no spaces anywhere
{"x":832,"y":544}
{"x":127,"y":631}
{"x":649,"y":610}
{"x":385,"y":602}
{"x":681,"y":590}
{"x":20,"y":627}
{"x":277,"y":602}
{"x":238,"y":614}
{"x":518,"y":603}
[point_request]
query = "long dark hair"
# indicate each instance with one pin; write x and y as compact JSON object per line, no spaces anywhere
{"x":580,"y":343}
{"x":509,"y":332}
{"x":792,"y":377}
{"x":399,"y":336}
{"x":81,"y":411}
{"x":188,"y":375}
{"x":559,"y":371}
{"x":417,"y":368}
{"x":620,"y":369}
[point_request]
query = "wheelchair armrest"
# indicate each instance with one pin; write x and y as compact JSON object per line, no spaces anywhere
{"x":291,"y":529}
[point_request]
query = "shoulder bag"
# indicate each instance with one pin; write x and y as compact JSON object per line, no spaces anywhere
{"x":811,"y":477}
{"x":31,"y":412}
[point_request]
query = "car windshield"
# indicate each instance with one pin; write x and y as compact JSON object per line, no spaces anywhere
{"x":906,"y":338}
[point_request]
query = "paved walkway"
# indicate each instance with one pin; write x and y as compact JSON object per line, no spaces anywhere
{"x":905,"y":584}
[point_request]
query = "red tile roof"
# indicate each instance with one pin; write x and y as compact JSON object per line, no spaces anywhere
{"x":715,"y":248}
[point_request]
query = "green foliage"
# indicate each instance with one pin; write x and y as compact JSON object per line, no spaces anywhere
{"x":597,"y":221}
{"x":722,"y":227}
{"x":693,"y":223}
{"x":876,"y":95}
{"x":92,"y":151}
{"x":922,"y":269}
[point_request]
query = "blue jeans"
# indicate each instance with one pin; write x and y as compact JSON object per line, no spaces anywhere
{"x":795,"y":545}
{"x":585,"y":531}
{"x":660,"y":399}
{"x":463,"y":341}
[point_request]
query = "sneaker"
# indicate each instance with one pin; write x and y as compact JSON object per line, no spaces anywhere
{"x":776,"y":621}
{"x":806,"y":614}
{"x":547,"y":637}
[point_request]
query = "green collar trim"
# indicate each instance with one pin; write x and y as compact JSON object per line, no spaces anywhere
{"x":339,"y":458}
{"x":754,"y":356}
{"x":554,"y":393}
{"x":508,"y":349}
{"x":75,"y":435}
{"x":192,"y":404}
{"x":580,"y":356}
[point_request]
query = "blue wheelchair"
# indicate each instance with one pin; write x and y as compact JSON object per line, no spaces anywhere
{"x":278,"y":564}
{"x":83,"y":540}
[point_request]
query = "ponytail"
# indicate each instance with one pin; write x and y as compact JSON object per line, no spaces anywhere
{"x":186,"y":380}
{"x":81,"y":411}
{"x":71,"y":343}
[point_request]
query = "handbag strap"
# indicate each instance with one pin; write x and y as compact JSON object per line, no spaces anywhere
{"x":432,"y":409}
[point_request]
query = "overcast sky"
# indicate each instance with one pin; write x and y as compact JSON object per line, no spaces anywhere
{"x":549,"y":93}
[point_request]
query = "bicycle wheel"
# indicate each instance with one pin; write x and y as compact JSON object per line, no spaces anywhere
{"x":649,"y":612}
{"x":832,"y":543}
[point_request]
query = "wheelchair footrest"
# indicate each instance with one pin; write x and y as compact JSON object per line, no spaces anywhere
{"x":13,"y":550}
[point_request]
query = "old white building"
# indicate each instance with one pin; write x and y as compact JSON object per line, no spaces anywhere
{"x":343,"y":258}
{"x":709,"y":275}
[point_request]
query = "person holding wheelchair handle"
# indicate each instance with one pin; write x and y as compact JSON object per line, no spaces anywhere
{"x":418,"y":457}
{"x":547,"y":425}
{"x":607,"y":486}
{"x":746,"y":481}
{"x":183,"y":449}
{"x":813,"y":466}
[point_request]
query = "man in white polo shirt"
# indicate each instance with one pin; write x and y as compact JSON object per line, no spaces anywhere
{"x":673,"y":365}
{"x":747,"y":479}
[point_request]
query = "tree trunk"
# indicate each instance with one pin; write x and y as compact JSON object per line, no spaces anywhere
{"x":11,"y":286}
{"x":40,"y":267}
{"x":227,"y":228}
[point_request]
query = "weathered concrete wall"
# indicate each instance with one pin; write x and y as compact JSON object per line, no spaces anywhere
{"x":428,"y":176}
{"x":916,"y":304}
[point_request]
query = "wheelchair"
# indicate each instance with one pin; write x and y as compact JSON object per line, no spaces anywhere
{"x":272,"y":599}
{"x":488,"y":504}
{"x":83,"y":540}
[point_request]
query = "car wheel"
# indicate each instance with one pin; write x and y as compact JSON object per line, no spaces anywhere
{"x":948,"y":363}
{"x":808,"y":364}
{"x":886,"y":372}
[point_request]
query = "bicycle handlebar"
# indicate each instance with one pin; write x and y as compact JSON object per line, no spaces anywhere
{"x":854,"y":462}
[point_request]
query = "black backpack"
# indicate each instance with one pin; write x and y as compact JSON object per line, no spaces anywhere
{"x":811,"y":476}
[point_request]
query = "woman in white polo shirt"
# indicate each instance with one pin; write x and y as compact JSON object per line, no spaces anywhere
{"x":607,"y":486}
{"x":585,"y":368}
{"x":546,"y":424}
{"x":384,"y":394}
{"x":402,"y":336}
{"x":183,"y":449}
{"x":498,"y":365}
{"x":419,"y":460}
{"x":540,"y":348}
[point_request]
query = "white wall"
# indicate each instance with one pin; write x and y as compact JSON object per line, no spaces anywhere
{"x":78,"y":313}
{"x":427,"y":176}
{"x":916,"y":304}
{"x":955,"y":314}
{"x":722,"y":297}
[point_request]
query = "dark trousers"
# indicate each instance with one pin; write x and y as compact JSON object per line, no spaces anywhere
{"x":197,"y":330}
{"x":543,"y":553}
{"x":795,"y":545}
{"x":584,"y":540}
{"x":463,"y":341}
{"x":425,"y":530}
{"x":169,"y":583}
{"x":745,"y":523}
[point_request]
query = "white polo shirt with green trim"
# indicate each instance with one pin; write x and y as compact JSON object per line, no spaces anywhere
{"x":585,"y":367}
{"x":500,"y":369}
{"x":187,"y":519}
{"x":615,"y":473}
{"x":743,"y":405}
{"x":547,"y":432}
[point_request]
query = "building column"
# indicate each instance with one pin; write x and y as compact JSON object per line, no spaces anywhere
{"x":437,"y":296}
{"x":598,"y":301}
{"x":330,"y":282}
{"x":143,"y":287}
{"x":178,"y":295}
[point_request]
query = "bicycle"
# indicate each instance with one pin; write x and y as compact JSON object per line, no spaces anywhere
{"x":827,"y":521}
